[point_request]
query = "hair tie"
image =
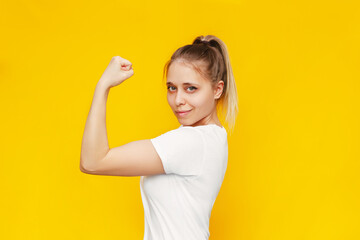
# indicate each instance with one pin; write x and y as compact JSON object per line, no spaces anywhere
{"x":205,"y":42}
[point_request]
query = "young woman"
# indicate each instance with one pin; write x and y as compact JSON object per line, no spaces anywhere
{"x":181,"y":170}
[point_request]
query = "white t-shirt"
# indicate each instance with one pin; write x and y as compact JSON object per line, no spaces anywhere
{"x":178,"y":204}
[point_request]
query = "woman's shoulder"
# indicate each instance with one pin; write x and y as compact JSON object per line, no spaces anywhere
{"x":211,"y":128}
{"x":196,"y":133}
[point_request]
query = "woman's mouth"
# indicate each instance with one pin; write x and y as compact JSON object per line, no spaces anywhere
{"x":183,"y":113}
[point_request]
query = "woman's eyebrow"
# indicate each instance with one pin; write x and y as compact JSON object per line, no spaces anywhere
{"x":187,"y":83}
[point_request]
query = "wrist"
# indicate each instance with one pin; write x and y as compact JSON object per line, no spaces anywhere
{"x":102,"y":86}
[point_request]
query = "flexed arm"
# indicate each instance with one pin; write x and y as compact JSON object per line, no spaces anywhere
{"x":137,"y":158}
{"x":95,"y":142}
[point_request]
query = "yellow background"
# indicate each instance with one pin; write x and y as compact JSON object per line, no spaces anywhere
{"x":293,"y":170}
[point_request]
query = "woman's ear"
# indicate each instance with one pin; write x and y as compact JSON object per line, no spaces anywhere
{"x":218,"y":89}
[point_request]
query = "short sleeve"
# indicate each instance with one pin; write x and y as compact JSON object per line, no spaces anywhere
{"x":181,"y":150}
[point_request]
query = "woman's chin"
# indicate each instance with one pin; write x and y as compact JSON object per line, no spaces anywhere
{"x":183,"y":122}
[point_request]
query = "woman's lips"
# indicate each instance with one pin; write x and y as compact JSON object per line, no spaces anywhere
{"x":181,"y":114}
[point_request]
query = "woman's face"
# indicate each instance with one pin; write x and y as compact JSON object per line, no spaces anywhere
{"x":190,"y":96}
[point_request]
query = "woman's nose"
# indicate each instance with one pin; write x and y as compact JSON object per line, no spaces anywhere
{"x":179,"y":99}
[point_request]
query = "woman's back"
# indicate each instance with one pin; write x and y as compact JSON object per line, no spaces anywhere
{"x":178,"y":204}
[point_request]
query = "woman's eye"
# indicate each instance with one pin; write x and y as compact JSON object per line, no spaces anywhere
{"x":193,"y":88}
{"x":169,"y":87}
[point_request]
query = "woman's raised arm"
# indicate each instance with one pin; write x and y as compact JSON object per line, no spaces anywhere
{"x":95,"y":143}
{"x":136,"y":158}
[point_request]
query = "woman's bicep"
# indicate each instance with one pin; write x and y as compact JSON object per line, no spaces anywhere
{"x":137,"y":158}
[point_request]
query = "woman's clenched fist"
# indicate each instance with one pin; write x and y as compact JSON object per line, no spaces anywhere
{"x":118,"y":70}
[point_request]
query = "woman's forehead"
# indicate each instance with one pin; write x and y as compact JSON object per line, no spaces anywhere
{"x":183,"y":73}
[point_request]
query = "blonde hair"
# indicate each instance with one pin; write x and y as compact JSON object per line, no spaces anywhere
{"x":209,"y":56}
